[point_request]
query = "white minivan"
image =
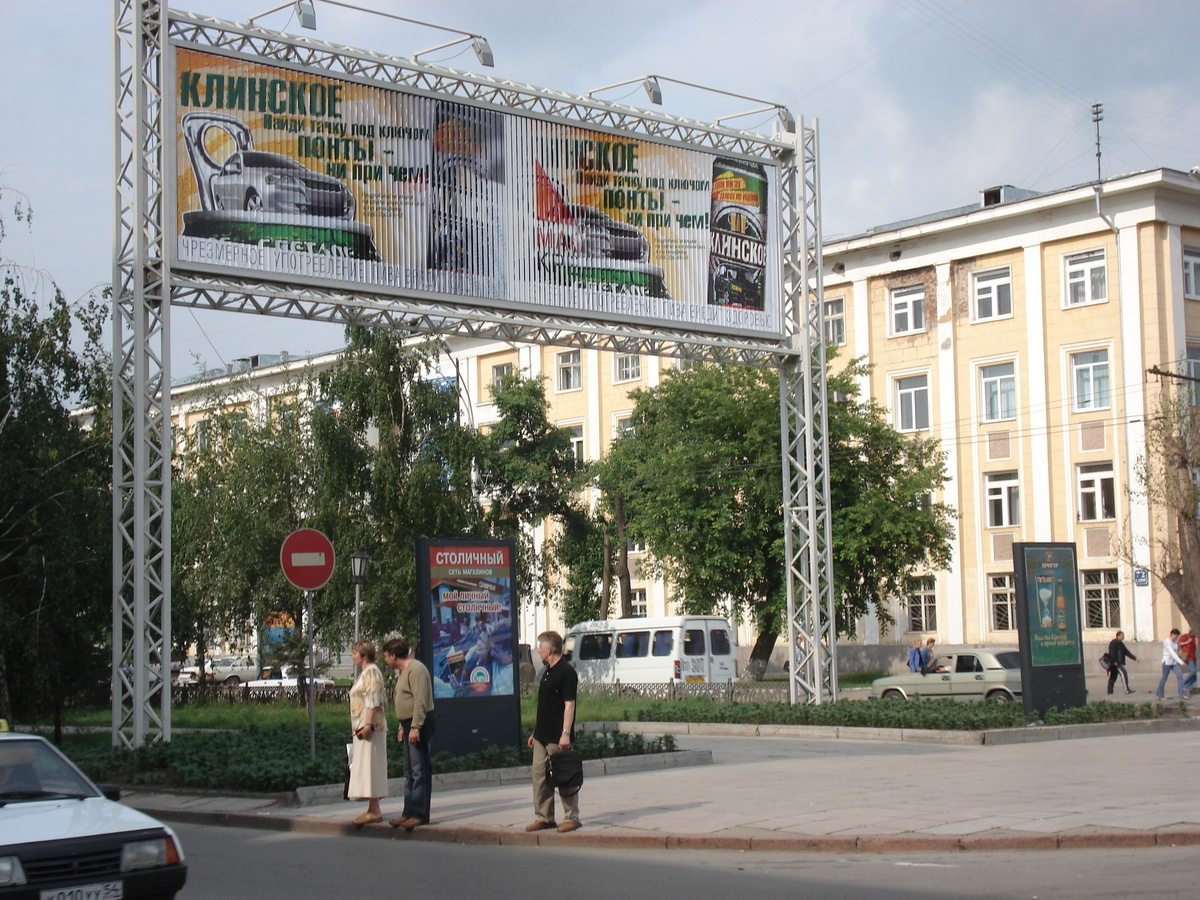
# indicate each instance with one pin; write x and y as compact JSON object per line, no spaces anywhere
{"x":652,"y":650}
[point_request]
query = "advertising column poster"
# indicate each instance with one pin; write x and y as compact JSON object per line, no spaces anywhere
{"x":1049,"y":629}
{"x":468,"y":636}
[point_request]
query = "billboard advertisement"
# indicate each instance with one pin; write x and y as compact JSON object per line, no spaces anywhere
{"x":304,"y":178}
{"x":1049,"y":627}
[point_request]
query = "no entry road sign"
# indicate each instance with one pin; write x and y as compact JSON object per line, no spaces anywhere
{"x":307,"y":559}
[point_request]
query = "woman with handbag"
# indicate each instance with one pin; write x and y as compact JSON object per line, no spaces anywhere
{"x":368,"y":762}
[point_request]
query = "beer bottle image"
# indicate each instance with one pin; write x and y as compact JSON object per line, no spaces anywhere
{"x":738,"y":234}
{"x":1060,"y":609}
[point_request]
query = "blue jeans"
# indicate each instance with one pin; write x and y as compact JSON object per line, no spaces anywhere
{"x":1167,"y":669}
{"x":1190,"y":681}
{"x":418,"y":772}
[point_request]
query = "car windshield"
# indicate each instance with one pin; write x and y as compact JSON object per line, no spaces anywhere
{"x":260,"y":159}
{"x":1009,"y":659}
{"x":34,"y":770}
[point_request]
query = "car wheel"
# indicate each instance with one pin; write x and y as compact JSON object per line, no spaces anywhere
{"x":893,"y":695}
{"x":233,"y":680}
{"x":999,"y":697}
{"x":253,"y":202}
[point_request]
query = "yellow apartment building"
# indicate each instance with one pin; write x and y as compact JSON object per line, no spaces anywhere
{"x":1017,"y":332}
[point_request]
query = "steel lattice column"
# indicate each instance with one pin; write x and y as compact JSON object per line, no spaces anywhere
{"x":141,"y":676}
{"x":802,"y":412}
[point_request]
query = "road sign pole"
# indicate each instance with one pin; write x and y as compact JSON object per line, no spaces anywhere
{"x":312,"y":673}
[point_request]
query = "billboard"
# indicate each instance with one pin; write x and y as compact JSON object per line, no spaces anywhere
{"x":1048,"y":627}
{"x":466,"y":610}
{"x":309,"y":179}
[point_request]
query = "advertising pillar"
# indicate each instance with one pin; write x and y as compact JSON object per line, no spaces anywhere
{"x":1049,"y":628}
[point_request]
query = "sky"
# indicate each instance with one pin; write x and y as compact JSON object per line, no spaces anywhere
{"x":921,"y":104}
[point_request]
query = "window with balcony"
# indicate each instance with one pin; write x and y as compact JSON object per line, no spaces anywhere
{"x":1086,"y":278}
{"x":908,"y":310}
{"x":993,"y":295}
{"x":998,"y":392}
{"x":1003,"y":499}
{"x":1089,"y":373}
{"x":912,"y":403}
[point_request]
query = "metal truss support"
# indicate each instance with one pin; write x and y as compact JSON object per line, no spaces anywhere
{"x":141,"y":657}
{"x":803,"y":420}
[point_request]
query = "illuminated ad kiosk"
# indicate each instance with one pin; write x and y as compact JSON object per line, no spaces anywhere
{"x":305,"y":178}
{"x":1048,"y":627}
{"x":467,"y":605}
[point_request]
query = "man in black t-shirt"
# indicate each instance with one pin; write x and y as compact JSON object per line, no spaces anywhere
{"x":553,"y":732}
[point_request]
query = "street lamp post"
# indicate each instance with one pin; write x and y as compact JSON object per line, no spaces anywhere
{"x":358,"y":574}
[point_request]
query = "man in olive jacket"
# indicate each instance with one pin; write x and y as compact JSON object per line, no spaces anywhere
{"x":414,"y":708}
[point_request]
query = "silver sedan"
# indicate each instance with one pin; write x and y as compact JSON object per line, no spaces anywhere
{"x":980,"y":674}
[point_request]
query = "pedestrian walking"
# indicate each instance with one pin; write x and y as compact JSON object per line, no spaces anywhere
{"x":1187,"y":652}
{"x":1117,"y":654}
{"x":368,"y":755}
{"x":1171,"y":663}
{"x":414,"y":709}
{"x":553,"y":732}
{"x":914,"y":656}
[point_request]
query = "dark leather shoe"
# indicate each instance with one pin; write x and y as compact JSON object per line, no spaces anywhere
{"x":539,"y":825}
{"x":569,"y":826}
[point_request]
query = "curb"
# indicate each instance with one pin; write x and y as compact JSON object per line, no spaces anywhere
{"x":614,"y":837}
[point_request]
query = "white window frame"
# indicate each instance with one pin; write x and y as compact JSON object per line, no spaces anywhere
{"x":1101,"y":598}
{"x":1000,"y":386}
{"x":499,"y":372}
{"x":1002,"y":491}
{"x":1002,"y":601}
{"x":835,"y":321}
{"x":578,"y":447}
{"x":627,"y":367}
{"x":623,"y":425}
{"x":991,"y":297}
{"x":637,"y":603}
{"x":920,"y":603}
{"x":568,"y":367}
{"x":906,"y":310}
{"x":1085,"y":278}
{"x":1191,"y":272}
{"x":910,"y":402}
{"x":1091,"y":380}
{"x":1097,"y":492}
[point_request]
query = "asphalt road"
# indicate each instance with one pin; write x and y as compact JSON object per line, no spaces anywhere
{"x":227,"y":862}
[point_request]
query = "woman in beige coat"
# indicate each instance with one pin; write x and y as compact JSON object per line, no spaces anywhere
{"x":368,"y":759}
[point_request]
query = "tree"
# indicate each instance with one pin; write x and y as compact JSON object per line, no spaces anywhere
{"x":55,"y":495}
{"x":700,"y":474}
{"x":1168,"y":475}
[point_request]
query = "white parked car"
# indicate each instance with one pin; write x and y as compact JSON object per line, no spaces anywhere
{"x":284,"y":677}
{"x":61,"y":836}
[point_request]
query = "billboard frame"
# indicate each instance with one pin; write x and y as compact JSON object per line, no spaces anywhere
{"x":146,"y":286}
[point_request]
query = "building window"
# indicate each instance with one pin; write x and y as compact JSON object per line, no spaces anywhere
{"x":1097,"y":492}
{"x":1191,"y":273}
{"x":1002,"y":595}
{"x":499,"y":373}
{"x":998,"y":392}
{"x":629,"y":367}
{"x":922,"y":604}
{"x":636,"y":546}
{"x":576,"y":433}
{"x":1086,"y":278}
{"x":1003,"y":496}
{"x":570,"y":371}
{"x":637,"y":603}
{"x":908,"y":310}
{"x":993,"y":295}
{"x":1101,"y":598}
{"x":835,"y":321}
{"x":1089,"y":371}
{"x":1192,"y":370}
{"x":912,"y":403}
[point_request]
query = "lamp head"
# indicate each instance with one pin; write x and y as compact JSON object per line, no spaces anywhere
{"x":307,"y":14}
{"x":483,"y":51}
{"x":653,"y":90}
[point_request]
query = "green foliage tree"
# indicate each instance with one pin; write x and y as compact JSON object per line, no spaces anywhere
{"x":700,"y":480}
{"x":55,"y":495}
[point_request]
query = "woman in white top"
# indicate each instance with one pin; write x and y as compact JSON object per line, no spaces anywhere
{"x":368,"y":760}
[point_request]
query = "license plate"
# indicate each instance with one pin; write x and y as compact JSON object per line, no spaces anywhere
{"x":107,"y":890}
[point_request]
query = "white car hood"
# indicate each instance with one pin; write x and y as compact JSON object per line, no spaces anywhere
{"x":50,"y":820}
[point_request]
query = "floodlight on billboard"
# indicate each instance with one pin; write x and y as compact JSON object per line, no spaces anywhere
{"x":308,"y":179}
